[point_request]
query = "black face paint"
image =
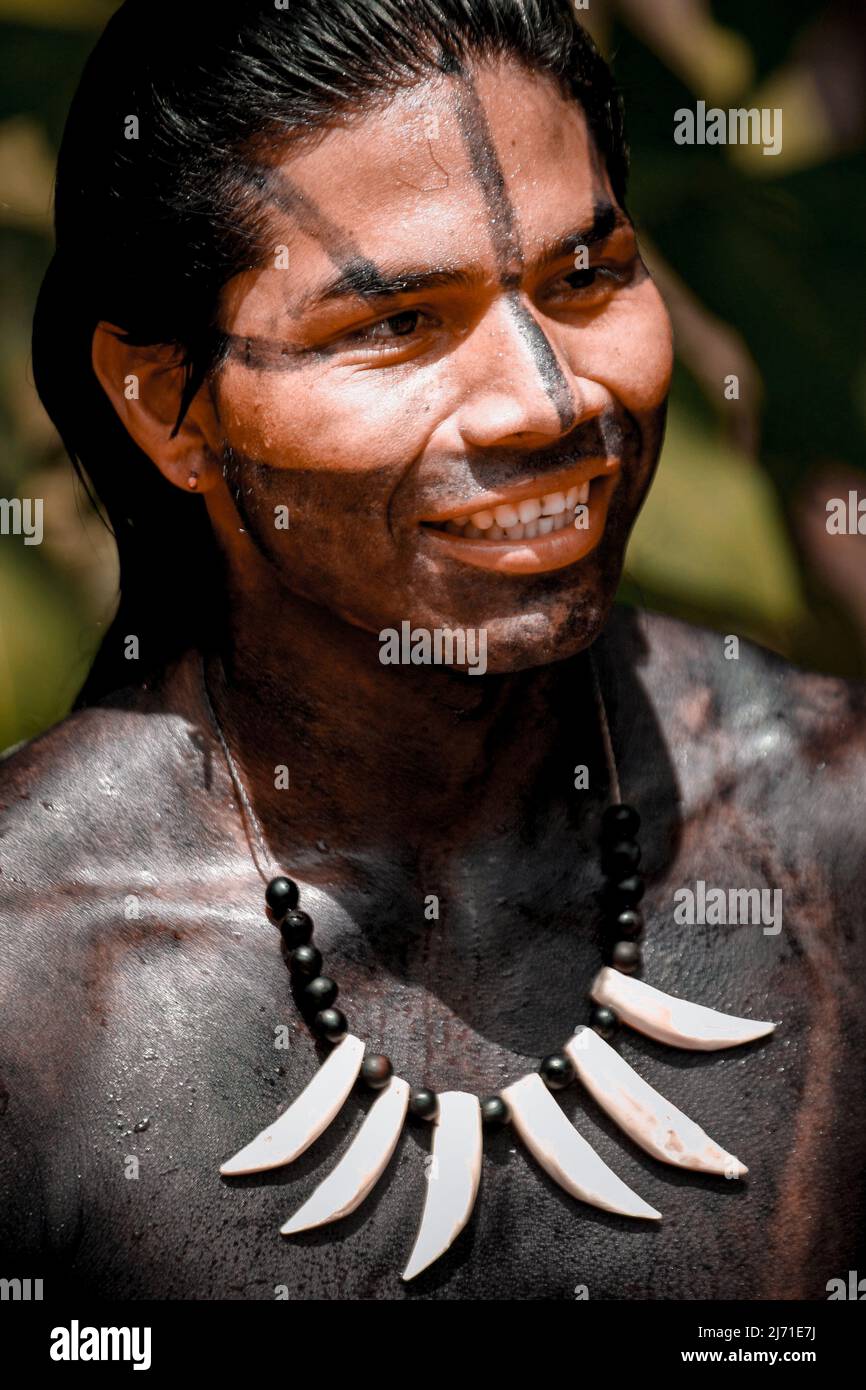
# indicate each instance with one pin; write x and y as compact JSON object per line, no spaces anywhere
{"x":262,"y":354}
{"x":360,"y":273}
{"x":337,"y":244}
{"x":546,"y":364}
{"x":615,"y":434}
{"x":269,"y":355}
{"x":507,"y":247}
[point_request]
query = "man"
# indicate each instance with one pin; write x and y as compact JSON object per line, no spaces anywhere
{"x":372,"y":420}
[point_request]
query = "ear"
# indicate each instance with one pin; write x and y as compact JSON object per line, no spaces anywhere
{"x":145,"y":385}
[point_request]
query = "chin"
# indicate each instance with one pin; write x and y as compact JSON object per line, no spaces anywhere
{"x":562,"y":623}
{"x":547,"y":632}
{"x":537,"y":641}
{"x":526,"y":622}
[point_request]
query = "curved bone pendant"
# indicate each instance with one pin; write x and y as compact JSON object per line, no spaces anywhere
{"x":671,"y":1020}
{"x":642,"y":1112}
{"x":452,"y":1178}
{"x":362,"y":1164}
{"x":306,"y":1118}
{"x":563,"y":1153}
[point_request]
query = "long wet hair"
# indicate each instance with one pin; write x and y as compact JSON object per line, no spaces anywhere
{"x":153,"y":216}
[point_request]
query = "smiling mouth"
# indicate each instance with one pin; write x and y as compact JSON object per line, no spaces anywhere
{"x":521,"y":514}
{"x":517,"y":521}
{"x":524,"y":533}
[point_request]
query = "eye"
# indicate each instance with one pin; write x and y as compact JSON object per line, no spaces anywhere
{"x":582,"y":279}
{"x":389,"y":330}
{"x":590,"y":286}
{"x":594,"y":277}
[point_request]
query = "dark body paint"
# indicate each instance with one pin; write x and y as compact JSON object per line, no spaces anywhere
{"x":154,"y":1036}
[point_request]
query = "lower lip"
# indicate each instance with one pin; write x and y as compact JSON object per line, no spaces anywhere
{"x":552,"y":552}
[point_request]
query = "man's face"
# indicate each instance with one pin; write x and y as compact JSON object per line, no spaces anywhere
{"x":427,"y":382}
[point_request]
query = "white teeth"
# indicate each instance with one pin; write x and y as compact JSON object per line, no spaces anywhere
{"x":542,"y":527}
{"x":534,"y":516}
{"x":529,"y":511}
{"x":553,"y":503}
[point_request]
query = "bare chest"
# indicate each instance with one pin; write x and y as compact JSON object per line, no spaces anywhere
{"x":198,"y":1046}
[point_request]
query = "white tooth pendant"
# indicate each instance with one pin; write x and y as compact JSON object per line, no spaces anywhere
{"x":563,"y":1153}
{"x":453,"y":1175}
{"x":362,"y":1164}
{"x":671,"y":1020}
{"x":306,"y":1118}
{"x":650,"y":1120}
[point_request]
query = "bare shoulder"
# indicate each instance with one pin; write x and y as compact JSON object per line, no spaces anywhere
{"x":99,"y":813}
{"x":83,"y":809}
{"x":769,"y":762}
{"x":88,"y":813}
{"x":75,"y":798}
{"x":746,"y":707}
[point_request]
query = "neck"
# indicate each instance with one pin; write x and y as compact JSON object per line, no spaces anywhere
{"x":391,"y":758}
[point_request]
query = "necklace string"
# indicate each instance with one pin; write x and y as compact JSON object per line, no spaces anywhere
{"x":264,"y":863}
{"x":607,"y":741}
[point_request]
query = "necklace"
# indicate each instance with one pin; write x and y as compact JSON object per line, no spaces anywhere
{"x":459,"y":1118}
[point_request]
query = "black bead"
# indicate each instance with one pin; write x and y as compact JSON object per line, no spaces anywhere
{"x":296,"y":928}
{"x":494,"y":1112}
{"x":305,"y":960}
{"x":626,"y":893}
{"x":620,"y":823}
{"x":320,"y":993}
{"x":330,"y":1024}
{"x":423,"y":1103}
{"x":621,"y":859}
{"x":603,"y":1020}
{"x":281,"y":895}
{"x":625,"y":956}
{"x":628,"y":925}
{"x":556,"y":1071}
{"x":376,"y":1071}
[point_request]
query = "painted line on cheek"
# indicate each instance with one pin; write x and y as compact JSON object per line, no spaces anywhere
{"x":546,"y":362}
{"x":267,"y":355}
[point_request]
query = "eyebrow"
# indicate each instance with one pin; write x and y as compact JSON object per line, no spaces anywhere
{"x":361,"y":279}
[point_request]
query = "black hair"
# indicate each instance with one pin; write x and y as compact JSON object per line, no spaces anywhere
{"x":154,"y":214}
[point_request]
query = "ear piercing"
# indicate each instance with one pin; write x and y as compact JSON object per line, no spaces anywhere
{"x":192,"y":481}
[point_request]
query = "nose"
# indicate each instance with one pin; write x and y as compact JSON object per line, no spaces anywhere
{"x":518,"y":391}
